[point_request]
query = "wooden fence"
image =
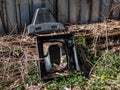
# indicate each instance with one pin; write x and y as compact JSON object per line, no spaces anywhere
{"x":87,"y":11}
{"x":15,"y":14}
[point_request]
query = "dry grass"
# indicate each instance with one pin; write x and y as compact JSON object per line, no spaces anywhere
{"x":15,"y":53}
{"x":100,"y":36}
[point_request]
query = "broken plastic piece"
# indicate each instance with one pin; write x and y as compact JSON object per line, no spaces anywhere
{"x":43,"y":23}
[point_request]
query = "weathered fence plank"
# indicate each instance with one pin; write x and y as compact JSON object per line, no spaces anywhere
{"x":11,"y":14}
{"x":95,"y":13}
{"x":1,"y":26}
{"x":18,"y":16}
{"x":63,"y":11}
{"x":24,"y":8}
{"x":74,"y":11}
{"x":4,"y":16}
{"x":84,"y":11}
{"x":105,"y":9}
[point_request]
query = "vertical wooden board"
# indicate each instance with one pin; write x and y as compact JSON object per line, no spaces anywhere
{"x":1,"y":27}
{"x":106,"y":9}
{"x":4,"y":16}
{"x":30,"y":6}
{"x":18,"y":16}
{"x":84,"y":11}
{"x":62,"y":11}
{"x":11,"y":15}
{"x":116,"y":10}
{"x":74,"y":11}
{"x":24,"y":13}
{"x":95,"y":13}
{"x":36,"y":4}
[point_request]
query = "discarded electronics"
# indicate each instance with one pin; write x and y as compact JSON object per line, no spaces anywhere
{"x":57,"y":55}
{"x":44,"y":23}
{"x":57,"y":52}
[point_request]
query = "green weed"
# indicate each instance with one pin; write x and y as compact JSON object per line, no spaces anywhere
{"x":75,"y":79}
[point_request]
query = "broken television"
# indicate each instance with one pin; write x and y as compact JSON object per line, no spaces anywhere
{"x":57,"y":55}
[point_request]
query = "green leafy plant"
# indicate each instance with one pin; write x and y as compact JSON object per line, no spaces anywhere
{"x":108,"y":66}
{"x":75,"y":79}
{"x":33,"y":73}
{"x":105,"y":73}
